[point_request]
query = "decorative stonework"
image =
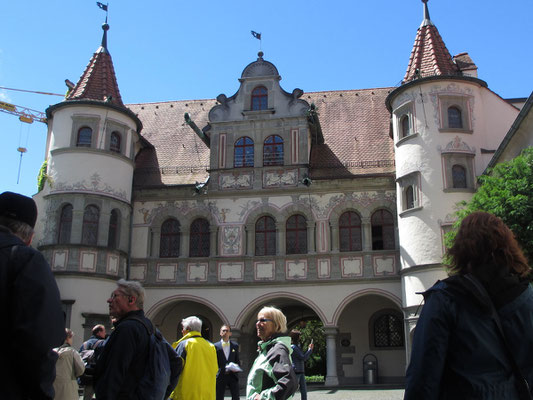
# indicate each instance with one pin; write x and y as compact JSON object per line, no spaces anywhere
{"x":59,"y":260}
{"x":95,"y":186}
{"x":384,"y":265}
{"x":112,"y":264}
{"x":231,"y":240}
{"x":230,"y":272}
{"x":296,"y":269}
{"x":324,"y":268}
{"x":169,"y":207}
{"x":352,"y":267}
{"x":166,"y":272}
{"x":450,"y":90}
{"x":138,"y":272}
{"x":264,"y":270}
{"x":87,"y":261}
{"x":457,"y":146}
{"x":236,"y":180}
{"x":197,"y":272}
{"x":280,"y":178}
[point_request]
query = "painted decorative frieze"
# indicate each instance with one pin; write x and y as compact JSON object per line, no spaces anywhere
{"x":324,"y":268}
{"x":352,"y":267}
{"x":138,"y":272}
{"x":88,"y":261}
{"x":280,"y":178}
{"x":384,"y":265}
{"x":112,"y":264}
{"x":231,"y":240}
{"x":264,"y":270}
{"x":230,"y":271}
{"x":296,"y":269}
{"x":236,"y":180}
{"x":166,"y":272}
{"x":59,"y":260}
{"x":197,"y":272}
{"x":95,"y":186}
{"x":457,"y":146}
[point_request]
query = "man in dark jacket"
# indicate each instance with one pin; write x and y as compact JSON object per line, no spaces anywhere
{"x":34,"y":322}
{"x":227,"y":352}
{"x":124,"y":357}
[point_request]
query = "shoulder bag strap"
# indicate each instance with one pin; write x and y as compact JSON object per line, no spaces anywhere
{"x":522,"y":386}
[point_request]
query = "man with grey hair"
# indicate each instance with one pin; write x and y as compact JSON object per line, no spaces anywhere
{"x":125,"y":356}
{"x":200,"y":366}
{"x":34,"y":321}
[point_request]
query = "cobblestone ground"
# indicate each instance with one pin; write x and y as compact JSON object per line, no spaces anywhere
{"x":348,"y":394}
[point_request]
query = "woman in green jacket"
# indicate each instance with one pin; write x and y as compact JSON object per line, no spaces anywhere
{"x":271,"y":376}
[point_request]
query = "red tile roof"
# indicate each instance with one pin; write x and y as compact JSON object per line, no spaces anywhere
{"x":355,"y":125}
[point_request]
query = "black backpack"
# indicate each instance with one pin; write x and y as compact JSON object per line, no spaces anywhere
{"x":162,"y":368}
{"x":89,"y":357}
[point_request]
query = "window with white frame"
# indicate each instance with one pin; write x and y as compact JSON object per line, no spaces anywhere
{"x":409,"y":187}
{"x":404,"y":121}
{"x":455,"y":113}
{"x":458,"y":172}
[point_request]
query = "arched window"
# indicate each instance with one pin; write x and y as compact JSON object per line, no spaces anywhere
{"x":350,"y":232}
{"x":244,"y":153}
{"x":409,"y":197}
{"x":89,"y":231}
{"x":65,"y":224}
{"x":259,"y":98}
{"x":112,"y":237}
{"x":388,"y":330}
{"x":265,"y":236}
{"x":455,"y":119}
{"x":169,"y":245}
{"x":382,"y":230}
{"x":84,"y":137}
{"x":296,"y":235}
{"x":199,"y":238}
{"x":459,"y":176}
{"x":404,"y":126}
{"x":273,"y":150}
{"x":114,"y":144}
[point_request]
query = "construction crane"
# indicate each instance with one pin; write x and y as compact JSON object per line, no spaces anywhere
{"x":25,"y":114}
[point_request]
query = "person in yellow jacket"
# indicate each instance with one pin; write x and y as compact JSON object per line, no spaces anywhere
{"x":197,"y":380}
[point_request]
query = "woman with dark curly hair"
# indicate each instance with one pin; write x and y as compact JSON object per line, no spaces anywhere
{"x":474,"y":337}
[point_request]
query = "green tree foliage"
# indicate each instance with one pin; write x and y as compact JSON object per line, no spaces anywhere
{"x":313,"y":330}
{"x":507,"y":192}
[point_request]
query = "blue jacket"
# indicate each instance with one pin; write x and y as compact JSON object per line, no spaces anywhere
{"x":299,"y":358}
{"x":457,"y":352}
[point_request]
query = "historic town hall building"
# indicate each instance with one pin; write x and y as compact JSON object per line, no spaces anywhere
{"x":331,"y":205}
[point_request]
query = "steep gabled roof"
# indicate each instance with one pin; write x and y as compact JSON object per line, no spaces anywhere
{"x":429,"y":56}
{"x":98,"y":81}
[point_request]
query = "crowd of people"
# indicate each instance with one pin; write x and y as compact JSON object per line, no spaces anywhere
{"x":473,"y":338}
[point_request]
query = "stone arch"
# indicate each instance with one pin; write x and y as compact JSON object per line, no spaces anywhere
{"x":293,"y":209}
{"x":261,"y":210}
{"x":348,"y":299}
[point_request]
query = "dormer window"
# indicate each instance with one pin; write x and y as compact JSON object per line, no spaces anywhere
{"x":259,"y":98}
{"x":114,"y":144}
{"x":84,"y":137}
{"x":244,"y":153}
{"x":455,"y":118}
{"x":273,"y":151}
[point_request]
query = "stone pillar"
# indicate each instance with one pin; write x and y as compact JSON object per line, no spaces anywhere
{"x":250,"y":242}
{"x":213,"y":229}
{"x":280,"y":245}
{"x":367,"y":233}
{"x":185,"y":235}
{"x":311,"y":237}
{"x":331,"y":352}
{"x":335,"y":236}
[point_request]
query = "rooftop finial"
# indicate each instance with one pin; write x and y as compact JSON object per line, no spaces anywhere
{"x":426,"y":21}
{"x":105,"y":28}
{"x":260,"y":55}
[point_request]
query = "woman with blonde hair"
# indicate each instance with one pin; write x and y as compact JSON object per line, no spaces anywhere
{"x":474,"y":337}
{"x":68,"y":367}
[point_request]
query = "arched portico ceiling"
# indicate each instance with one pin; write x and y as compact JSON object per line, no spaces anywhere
{"x":278,"y":299}
{"x":160,"y":305}
{"x":348,"y":299}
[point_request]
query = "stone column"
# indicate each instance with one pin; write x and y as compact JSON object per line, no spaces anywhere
{"x":213,"y":229}
{"x":331,"y":352}
{"x":250,"y":242}
{"x":311,"y":237}
{"x":280,"y":239}
{"x":335,"y":236}
{"x":185,"y":235}
{"x":366,"y":228}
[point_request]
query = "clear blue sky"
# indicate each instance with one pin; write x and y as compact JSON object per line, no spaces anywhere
{"x":174,"y":50}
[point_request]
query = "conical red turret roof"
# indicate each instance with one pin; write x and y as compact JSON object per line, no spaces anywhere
{"x":98,"y":81}
{"x":429,"y":56}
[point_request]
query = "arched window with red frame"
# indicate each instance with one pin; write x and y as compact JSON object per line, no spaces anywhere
{"x":273,"y":151}
{"x":259,"y":98}
{"x":199,"y":238}
{"x":382,"y":230}
{"x":89,"y":231}
{"x":244,"y":153}
{"x":265,"y":236}
{"x":169,"y":245}
{"x":296,"y":235}
{"x":350,"y":232}
{"x":65,"y":224}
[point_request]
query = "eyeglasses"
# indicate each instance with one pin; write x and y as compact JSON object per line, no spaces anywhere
{"x":115,"y":295}
{"x":262,"y":320}
{"x":224,"y":330}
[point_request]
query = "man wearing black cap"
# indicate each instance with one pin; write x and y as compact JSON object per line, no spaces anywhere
{"x":32,"y":318}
